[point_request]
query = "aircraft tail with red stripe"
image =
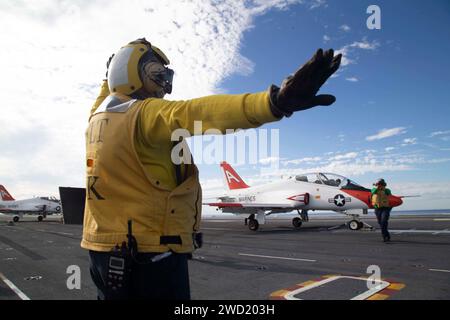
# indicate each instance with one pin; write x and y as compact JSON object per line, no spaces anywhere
{"x":234,"y":181}
{"x":5,"y":194}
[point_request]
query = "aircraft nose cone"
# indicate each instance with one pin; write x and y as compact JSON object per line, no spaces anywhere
{"x":395,"y":201}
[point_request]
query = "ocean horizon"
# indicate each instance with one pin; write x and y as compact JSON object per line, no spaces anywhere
{"x":313,"y":214}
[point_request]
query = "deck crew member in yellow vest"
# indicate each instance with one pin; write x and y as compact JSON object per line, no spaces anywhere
{"x":380,"y":201}
{"x":143,"y":211}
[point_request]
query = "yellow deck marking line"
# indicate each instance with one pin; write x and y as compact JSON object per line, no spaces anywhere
{"x":279,"y":293}
{"x":380,"y":293}
{"x":396,"y":286}
{"x":378,"y":296}
{"x":306,"y":283}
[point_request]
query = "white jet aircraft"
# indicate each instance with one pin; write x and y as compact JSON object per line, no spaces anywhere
{"x":312,"y":191}
{"x":39,"y":205}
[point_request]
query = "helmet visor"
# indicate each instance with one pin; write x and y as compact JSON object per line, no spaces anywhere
{"x":161,"y":75}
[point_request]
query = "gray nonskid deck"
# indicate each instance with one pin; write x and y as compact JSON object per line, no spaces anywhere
{"x":236,"y":263}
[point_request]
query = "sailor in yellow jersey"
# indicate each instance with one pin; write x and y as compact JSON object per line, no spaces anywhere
{"x":143,"y":210}
{"x":380,"y":201}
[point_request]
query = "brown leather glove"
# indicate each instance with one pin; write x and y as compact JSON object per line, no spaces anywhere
{"x":298,"y":91}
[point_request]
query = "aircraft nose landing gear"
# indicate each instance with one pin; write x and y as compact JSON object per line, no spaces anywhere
{"x":297,"y":222}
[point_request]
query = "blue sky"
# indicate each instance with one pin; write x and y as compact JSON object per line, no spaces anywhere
{"x":391,"y":118}
{"x":402,"y":83}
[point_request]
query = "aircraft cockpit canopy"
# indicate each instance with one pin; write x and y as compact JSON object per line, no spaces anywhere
{"x":329,"y":179}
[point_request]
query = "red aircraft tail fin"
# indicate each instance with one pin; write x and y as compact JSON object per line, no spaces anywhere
{"x":234,"y":181}
{"x":5,"y":194}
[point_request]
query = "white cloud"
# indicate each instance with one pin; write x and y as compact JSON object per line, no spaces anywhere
{"x":441,"y":160}
{"x":269,"y":160}
{"x":345,"y":28}
{"x":350,"y":155}
{"x":388,"y":149}
{"x":357,"y":163}
{"x":409,"y":141}
{"x":53,"y":60}
{"x":386,"y":133}
{"x":326,"y":38}
{"x":426,"y":190}
{"x":313,"y":4}
{"x":439,"y":133}
{"x":352,"y":79}
{"x":349,"y":49}
{"x":347,"y":168}
{"x":361,"y":167}
{"x":302,"y":160}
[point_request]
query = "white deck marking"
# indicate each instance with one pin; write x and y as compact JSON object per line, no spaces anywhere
{"x":220,"y":229}
{"x":441,"y":219}
{"x":439,"y":270}
{"x":273,"y":257}
{"x":9,"y":259}
{"x":217,"y":220}
{"x":65,"y":233}
{"x":16,"y":290}
{"x":434,"y":232}
{"x":438,"y":232}
{"x":381,"y":285}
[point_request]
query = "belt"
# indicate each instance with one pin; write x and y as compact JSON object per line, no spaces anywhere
{"x":170,"y":240}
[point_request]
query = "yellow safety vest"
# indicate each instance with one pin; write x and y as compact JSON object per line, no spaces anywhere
{"x":118,"y":189}
{"x":380,"y":199}
{"x":130,"y":175}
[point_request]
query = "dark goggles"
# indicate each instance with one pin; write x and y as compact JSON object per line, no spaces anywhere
{"x":164,"y":78}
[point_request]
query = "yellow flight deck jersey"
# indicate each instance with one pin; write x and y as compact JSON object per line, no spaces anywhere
{"x":380,"y":197}
{"x":130,"y":173}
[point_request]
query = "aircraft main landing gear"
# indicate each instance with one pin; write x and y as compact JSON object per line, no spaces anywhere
{"x":253,"y":224}
{"x":297,"y":222}
{"x":40,"y":218}
{"x":16,"y":219}
{"x":253,"y":221}
{"x":355,"y":225}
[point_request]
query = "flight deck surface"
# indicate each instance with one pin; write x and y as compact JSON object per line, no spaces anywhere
{"x":317,"y":261}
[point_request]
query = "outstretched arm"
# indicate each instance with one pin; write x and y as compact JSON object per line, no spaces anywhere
{"x":219,"y":112}
{"x":299,"y":91}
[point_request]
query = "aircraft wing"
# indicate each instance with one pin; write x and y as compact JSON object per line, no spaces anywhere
{"x":248,"y":205}
{"x":249,"y":208}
